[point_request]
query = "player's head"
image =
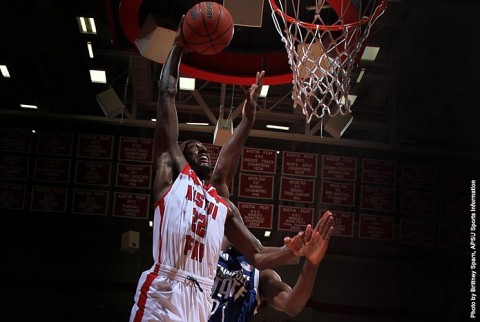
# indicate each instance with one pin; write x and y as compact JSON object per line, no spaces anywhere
{"x":197,"y":156}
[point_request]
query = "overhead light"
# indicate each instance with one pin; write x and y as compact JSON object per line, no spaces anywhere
{"x":34,"y":107}
{"x":4,"y":70}
{"x":98,"y":76}
{"x":370,"y":53}
{"x":264,"y":91}
{"x":198,"y":123}
{"x":90,"y":49}
{"x":278,"y":127}
{"x":267,"y":233}
{"x":360,"y":76}
{"x":150,"y":223}
{"x":86,"y":25}
{"x":187,"y":83}
{"x":351,"y":99}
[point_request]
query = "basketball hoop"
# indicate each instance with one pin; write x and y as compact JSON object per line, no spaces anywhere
{"x":324,"y":41}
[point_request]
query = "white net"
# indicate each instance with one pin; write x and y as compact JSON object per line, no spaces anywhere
{"x":323,"y":40}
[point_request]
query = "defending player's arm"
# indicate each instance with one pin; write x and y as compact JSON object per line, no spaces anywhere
{"x":258,"y":255}
{"x":168,"y":156}
{"x":230,"y":154}
{"x":281,"y":296}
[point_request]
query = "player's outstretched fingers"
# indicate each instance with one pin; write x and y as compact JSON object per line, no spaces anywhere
{"x":328,"y":225}
{"x":308,"y":233}
{"x":295,"y":244}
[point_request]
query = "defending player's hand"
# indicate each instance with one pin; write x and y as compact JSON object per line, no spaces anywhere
{"x":249,"y":108}
{"x":316,"y":240}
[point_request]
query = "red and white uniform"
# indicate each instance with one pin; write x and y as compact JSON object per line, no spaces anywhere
{"x":188,"y":229}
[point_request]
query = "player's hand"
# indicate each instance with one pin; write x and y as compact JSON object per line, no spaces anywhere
{"x":249,"y":109}
{"x":316,"y":240}
{"x":295,"y":244}
{"x":179,"y":40}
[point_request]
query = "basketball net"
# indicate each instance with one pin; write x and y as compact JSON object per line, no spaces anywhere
{"x":323,"y":51}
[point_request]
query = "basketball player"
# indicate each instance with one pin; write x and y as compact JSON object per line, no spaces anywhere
{"x":239,"y":287}
{"x":190,"y":220}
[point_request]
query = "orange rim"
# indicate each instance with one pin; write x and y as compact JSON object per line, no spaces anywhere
{"x":335,"y":4}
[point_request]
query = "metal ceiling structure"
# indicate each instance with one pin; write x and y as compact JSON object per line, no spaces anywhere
{"x":413,"y":98}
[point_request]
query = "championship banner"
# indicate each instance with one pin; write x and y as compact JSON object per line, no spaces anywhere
{"x":135,"y":149}
{"x":90,"y":202}
{"x":343,"y":223}
{"x":259,"y":160}
{"x":379,"y":171}
{"x":256,"y":186}
{"x":95,"y":146}
{"x":49,"y":199}
{"x":456,"y":179}
{"x":377,"y":198}
{"x":134,"y":176}
{"x":14,"y":168}
{"x":93,"y":173}
{"x":375,"y":227}
{"x":15,"y":140}
{"x":418,"y":175}
{"x":418,"y":202}
{"x":12,"y":196}
{"x":453,"y":236}
{"x":335,"y":193}
{"x":256,"y":215}
{"x":52,"y":170}
{"x":339,"y":168}
{"x":453,"y":204}
{"x":416,"y":232}
{"x":299,"y":164}
{"x":55,"y":143}
{"x":295,"y":218}
{"x":299,"y":190}
{"x":131,"y":205}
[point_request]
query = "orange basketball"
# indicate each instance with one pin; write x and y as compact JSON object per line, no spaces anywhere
{"x":207,"y":28}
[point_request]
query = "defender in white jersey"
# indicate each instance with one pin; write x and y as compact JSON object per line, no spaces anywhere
{"x":190,"y":221}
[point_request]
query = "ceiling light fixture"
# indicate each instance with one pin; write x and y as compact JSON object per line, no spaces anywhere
{"x":278,"y":127}
{"x":360,"y":76}
{"x":33,"y":107}
{"x":370,"y":53}
{"x":98,"y":76}
{"x":187,"y":83}
{"x":86,"y":25}
{"x":264,"y":91}
{"x":90,"y":49}
{"x":4,"y":70}
{"x":198,"y":123}
{"x":267,"y":233}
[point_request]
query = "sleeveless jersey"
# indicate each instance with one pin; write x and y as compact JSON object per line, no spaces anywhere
{"x":189,"y":223}
{"x":235,"y":291}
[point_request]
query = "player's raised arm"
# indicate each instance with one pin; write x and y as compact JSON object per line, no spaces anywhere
{"x":231,"y":152}
{"x":248,"y":245}
{"x":169,"y":158}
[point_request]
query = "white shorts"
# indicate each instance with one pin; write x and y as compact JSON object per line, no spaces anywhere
{"x":170,"y":295}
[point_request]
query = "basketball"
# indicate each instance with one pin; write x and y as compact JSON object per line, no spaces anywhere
{"x":207,"y":28}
